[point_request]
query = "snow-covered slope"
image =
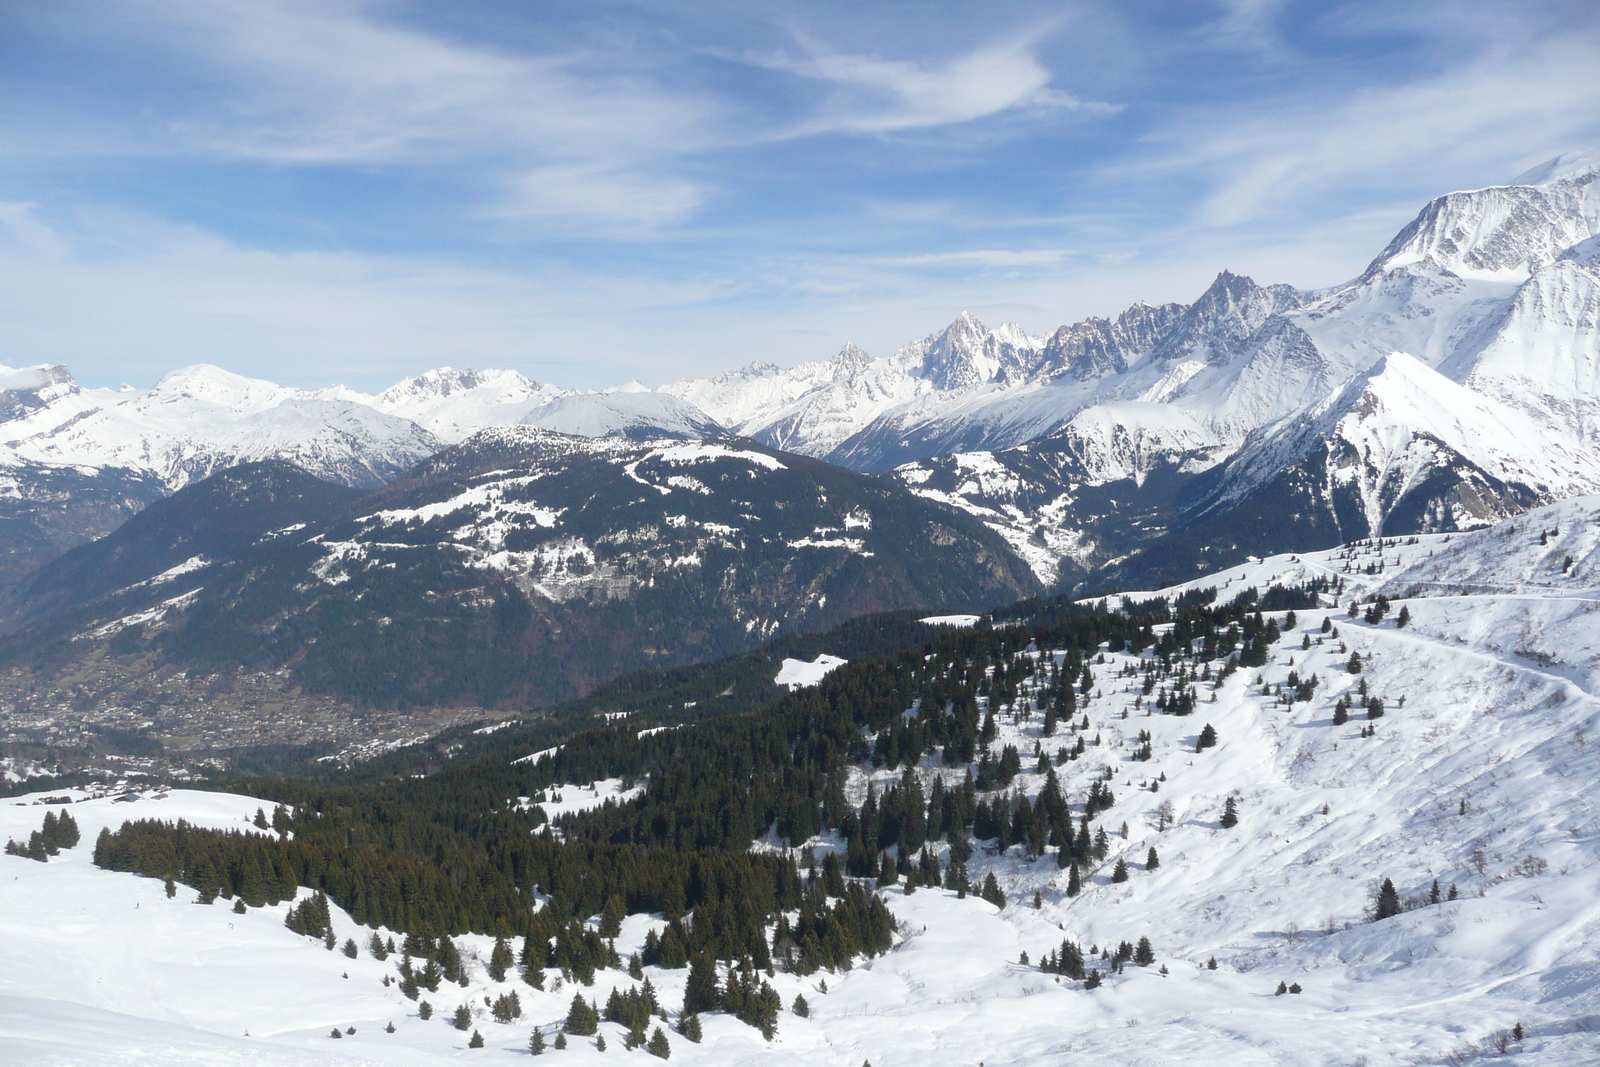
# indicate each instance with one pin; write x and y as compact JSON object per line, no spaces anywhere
{"x":1479,"y":776}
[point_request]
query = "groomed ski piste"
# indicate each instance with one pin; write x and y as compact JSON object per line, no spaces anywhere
{"x":1485,"y":779}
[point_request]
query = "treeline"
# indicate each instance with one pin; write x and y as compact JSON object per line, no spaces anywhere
{"x":463,"y":850}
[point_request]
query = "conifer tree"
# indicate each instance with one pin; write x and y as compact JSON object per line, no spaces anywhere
{"x":1388,"y":902}
{"x":1144,"y":954}
{"x":1354,"y":666}
{"x":462,"y":1018}
{"x":659,"y":1046}
{"x":475,"y":1041}
{"x":582,"y":1018}
{"x":1207,"y":739}
{"x":499,"y":960}
{"x":560,"y":1041}
{"x":611,"y":918}
{"x":424,"y":1011}
{"x":1119,"y":873}
{"x":600,"y":1042}
{"x":1403,"y":619}
{"x":536,"y":1042}
{"x":801,"y":1007}
{"x":1230,"y":814}
{"x":689,"y":1027}
{"x":992,"y":892}
{"x":1074,"y":883}
{"x":701,"y":992}
{"x":1151,"y":860}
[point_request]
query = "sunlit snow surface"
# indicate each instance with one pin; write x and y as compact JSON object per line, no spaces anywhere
{"x":799,"y":673}
{"x":1498,"y":672}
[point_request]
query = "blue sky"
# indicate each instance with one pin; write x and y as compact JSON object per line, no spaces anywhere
{"x":344,"y":191}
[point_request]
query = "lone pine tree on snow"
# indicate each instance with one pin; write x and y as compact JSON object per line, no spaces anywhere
{"x":1388,"y":902}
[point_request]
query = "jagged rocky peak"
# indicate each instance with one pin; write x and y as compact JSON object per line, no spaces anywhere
{"x":1212,"y":329}
{"x":966,"y":354}
{"x":1097,"y":347}
{"x":850,"y":358}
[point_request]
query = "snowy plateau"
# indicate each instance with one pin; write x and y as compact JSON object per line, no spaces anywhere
{"x":1479,"y":777}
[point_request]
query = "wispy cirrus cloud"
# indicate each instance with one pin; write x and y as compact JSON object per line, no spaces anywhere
{"x":874,"y":95}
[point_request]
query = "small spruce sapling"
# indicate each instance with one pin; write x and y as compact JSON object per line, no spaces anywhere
{"x":1119,"y":873}
{"x":1151,"y":860}
{"x":475,"y":1041}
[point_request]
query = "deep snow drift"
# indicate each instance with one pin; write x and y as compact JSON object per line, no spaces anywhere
{"x":1484,"y":779}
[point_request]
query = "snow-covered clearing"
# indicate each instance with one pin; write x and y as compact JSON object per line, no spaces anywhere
{"x":951,"y":620}
{"x":798,"y":673}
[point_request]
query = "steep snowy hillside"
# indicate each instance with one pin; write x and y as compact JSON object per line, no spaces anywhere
{"x":1443,"y":746}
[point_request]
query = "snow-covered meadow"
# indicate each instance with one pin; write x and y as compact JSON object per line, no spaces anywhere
{"x":1484,"y":779}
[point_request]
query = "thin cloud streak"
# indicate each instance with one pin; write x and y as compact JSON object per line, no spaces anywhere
{"x":874,"y":95}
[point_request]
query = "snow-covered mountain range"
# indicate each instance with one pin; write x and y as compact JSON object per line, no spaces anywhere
{"x":1456,"y":380}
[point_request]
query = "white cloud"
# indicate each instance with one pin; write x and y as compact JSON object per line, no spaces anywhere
{"x":877,"y":95}
{"x":1478,"y":118}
